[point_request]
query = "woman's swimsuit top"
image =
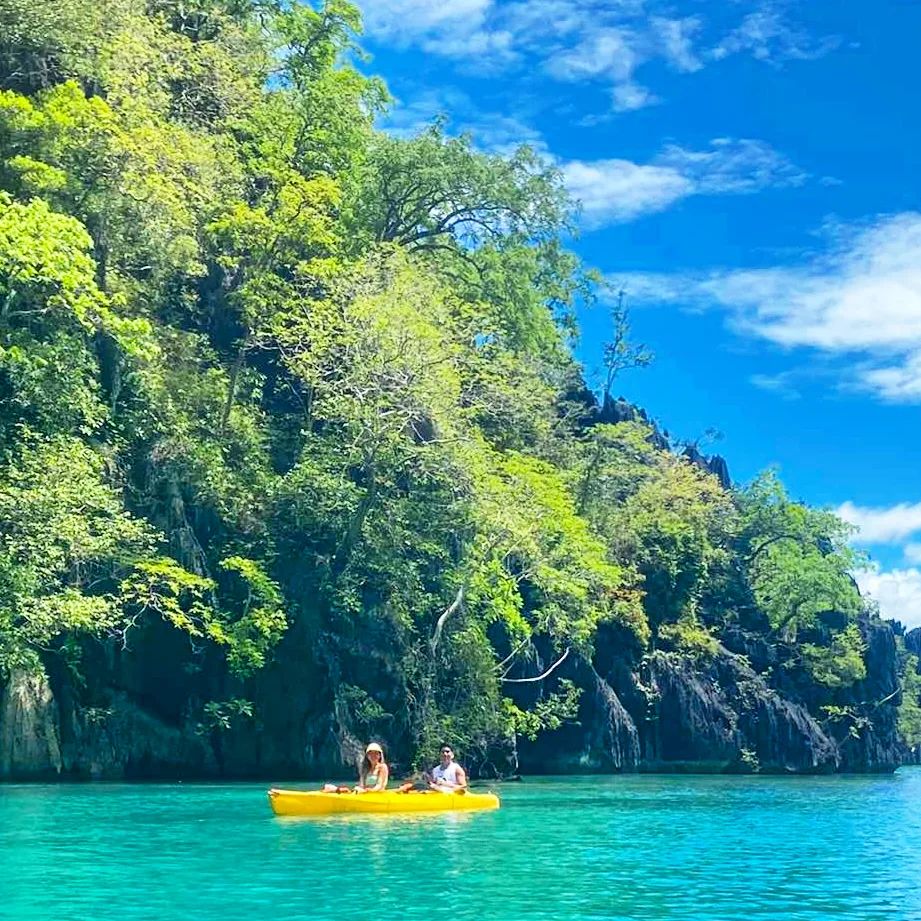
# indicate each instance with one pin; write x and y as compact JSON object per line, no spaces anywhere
{"x":371,"y":781}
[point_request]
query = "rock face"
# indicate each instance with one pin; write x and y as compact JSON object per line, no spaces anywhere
{"x":875,"y":746}
{"x":725,"y":717}
{"x":620,"y":410}
{"x":29,"y":729}
{"x":913,"y":641}
{"x":731,"y":712}
{"x":124,"y":741}
{"x":713,"y":463}
{"x":721,"y":717}
{"x":676,"y":713}
{"x":40,"y":742}
{"x":605,"y":739}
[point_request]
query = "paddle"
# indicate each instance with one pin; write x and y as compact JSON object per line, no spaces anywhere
{"x":418,"y":778}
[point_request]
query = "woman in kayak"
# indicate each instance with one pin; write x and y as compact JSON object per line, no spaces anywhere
{"x":374,"y":773}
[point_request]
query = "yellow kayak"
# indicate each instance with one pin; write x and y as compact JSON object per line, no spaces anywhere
{"x":316,"y":802}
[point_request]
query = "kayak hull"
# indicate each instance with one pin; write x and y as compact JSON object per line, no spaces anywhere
{"x":315,"y":802}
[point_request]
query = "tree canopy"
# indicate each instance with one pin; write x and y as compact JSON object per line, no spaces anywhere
{"x":273,"y":376}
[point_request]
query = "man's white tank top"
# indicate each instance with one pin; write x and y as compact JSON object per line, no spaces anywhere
{"x":448,"y":774}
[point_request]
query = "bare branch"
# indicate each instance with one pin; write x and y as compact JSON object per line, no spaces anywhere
{"x":771,"y":540}
{"x":511,"y":655}
{"x":452,"y":608}
{"x":540,"y":677}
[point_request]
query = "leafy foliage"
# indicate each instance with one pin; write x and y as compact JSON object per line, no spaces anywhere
{"x":841,"y":663}
{"x":797,"y":558}
{"x":910,"y":706}
{"x":299,"y":393}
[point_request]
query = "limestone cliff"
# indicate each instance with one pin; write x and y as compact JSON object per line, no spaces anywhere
{"x":669,"y":712}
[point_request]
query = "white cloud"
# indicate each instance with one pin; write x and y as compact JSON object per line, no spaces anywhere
{"x":882,"y":525}
{"x":677,"y":41}
{"x":913,"y":553}
{"x":496,"y":132}
{"x":781,"y":384}
{"x":768,"y":36}
{"x":897,"y":591}
{"x":860,"y":300}
{"x":453,"y":28}
{"x":619,"y":190}
{"x":604,"y":41}
{"x":900,"y":383}
{"x":612,"y":55}
{"x":733,"y":166}
{"x":613,"y":191}
{"x":604,"y":52}
{"x":630,"y":96}
{"x":409,"y":19}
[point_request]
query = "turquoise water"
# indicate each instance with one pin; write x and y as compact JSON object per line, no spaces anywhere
{"x":594,"y":849}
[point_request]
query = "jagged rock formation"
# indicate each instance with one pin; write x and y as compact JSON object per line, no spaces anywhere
{"x":722,"y":715}
{"x":729,"y":713}
{"x":29,"y":728}
{"x":913,"y":641}
{"x":713,"y":463}
{"x":621,"y":410}
{"x":41,"y":739}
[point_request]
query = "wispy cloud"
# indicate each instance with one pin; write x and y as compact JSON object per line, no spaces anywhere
{"x":884,"y":525}
{"x":676,"y":39}
{"x":611,"y":55}
{"x":409,"y":116}
{"x":896,"y":591}
{"x":781,"y":384}
{"x":454,"y":29}
{"x":896,"y":383}
{"x":768,"y":35}
{"x":913,"y":553}
{"x":610,"y":52}
{"x":496,"y":132}
{"x":860,"y":300}
{"x":601,"y":41}
{"x":733,"y":166}
{"x":629,"y":96}
{"x":613,"y":191}
{"x":413,"y":18}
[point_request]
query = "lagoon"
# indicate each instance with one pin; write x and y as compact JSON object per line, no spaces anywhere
{"x":619,"y":848}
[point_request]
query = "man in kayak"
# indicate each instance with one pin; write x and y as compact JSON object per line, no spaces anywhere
{"x":448,"y":776}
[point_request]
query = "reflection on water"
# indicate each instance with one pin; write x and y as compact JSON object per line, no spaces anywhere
{"x":592,"y":849}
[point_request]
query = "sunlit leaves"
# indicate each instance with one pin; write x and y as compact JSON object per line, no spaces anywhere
{"x":840,"y":663}
{"x":910,"y":706}
{"x":65,"y":541}
{"x":797,"y":558}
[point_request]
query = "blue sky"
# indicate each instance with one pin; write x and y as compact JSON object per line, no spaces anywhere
{"x":749,"y":175}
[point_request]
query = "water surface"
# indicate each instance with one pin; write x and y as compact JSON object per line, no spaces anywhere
{"x":592,"y":849}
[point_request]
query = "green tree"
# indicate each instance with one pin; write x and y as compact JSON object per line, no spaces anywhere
{"x":65,"y":543}
{"x":840,"y":663}
{"x":910,"y":706}
{"x":796,"y":559}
